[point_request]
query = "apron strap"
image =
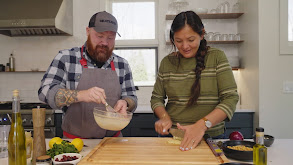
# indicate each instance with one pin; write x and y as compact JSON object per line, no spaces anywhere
{"x":112,"y":65}
{"x":83,"y":61}
{"x":117,"y":134}
{"x":68,"y":135}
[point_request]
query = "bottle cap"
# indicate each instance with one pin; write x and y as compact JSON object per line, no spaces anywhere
{"x":260,"y":129}
{"x":43,"y":158}
{"x":15,"y":93}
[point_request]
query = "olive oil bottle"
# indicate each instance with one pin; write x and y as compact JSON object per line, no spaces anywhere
{"x":259,"y":149}
{"x":16,"y":139}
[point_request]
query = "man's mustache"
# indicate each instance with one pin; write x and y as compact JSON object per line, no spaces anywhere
{"x":102,"y":47}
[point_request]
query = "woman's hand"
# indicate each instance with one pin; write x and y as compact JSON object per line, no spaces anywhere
{"x":193,"y":135}
{"x":162,"y":126}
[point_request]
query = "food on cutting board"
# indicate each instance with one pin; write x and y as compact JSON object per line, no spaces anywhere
{"x":236,"y":135}
{"x":60,"y":147}
{"x":240,"y":148}
{"x":174,"y":141}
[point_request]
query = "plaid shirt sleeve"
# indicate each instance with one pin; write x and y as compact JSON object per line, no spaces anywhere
{"x":55,"y":77}
{"x":123,"y":69}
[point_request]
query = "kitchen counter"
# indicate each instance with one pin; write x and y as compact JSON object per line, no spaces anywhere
{"x":278,"y":154}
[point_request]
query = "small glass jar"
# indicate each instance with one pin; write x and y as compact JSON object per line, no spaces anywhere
{"x":44,"y":160}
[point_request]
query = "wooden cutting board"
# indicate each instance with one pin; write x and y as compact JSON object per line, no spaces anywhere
{"x":148,"y":150}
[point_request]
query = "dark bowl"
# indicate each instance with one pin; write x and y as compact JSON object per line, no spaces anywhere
{"x":268,"y":140}
{"x":236,"y":154}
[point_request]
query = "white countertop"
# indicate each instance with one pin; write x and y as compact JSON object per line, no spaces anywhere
{"x":278,"y":154}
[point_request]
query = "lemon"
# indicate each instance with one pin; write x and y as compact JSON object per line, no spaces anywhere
{"x":78,"y":144}
{"x":54,"y":140}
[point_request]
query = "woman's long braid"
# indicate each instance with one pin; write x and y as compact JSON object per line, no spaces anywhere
{"x":200,"y":57}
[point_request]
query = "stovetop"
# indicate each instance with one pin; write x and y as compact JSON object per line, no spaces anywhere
{"x":7,"y":106}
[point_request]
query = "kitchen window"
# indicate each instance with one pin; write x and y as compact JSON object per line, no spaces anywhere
{"x":286,"y":26}
{"x":138,"y":44}
{"x":143,"y":63}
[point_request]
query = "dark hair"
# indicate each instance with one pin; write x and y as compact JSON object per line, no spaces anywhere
{"x":192,"y":19}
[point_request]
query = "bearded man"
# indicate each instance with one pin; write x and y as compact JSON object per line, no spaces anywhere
{"x":82,"y":78}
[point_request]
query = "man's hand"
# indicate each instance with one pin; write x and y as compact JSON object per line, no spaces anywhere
{"x":121,"y":106}
{"x":66,"y":96}
{"x":93,"y":94}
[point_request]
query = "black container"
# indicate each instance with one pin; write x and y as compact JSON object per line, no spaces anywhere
{"x":2,"y":68}
{"x":235,"y":154}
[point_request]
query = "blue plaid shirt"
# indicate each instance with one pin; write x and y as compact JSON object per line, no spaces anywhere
{"x":65,"y":72}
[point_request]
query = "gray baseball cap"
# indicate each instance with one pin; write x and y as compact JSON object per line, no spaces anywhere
{"x":103,"y":21}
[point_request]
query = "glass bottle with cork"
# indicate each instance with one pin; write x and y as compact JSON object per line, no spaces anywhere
{"x":16,"y":139}
{"x":259,"y":149}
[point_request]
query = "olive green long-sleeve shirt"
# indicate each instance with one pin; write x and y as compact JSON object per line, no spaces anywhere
{"x":218,"y":89}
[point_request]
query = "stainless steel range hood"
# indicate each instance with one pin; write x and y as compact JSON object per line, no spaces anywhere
{"x":36,"y":17}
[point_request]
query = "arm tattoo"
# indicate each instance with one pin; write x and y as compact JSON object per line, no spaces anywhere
{"x":65,"y":97}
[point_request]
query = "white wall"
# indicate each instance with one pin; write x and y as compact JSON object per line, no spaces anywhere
{"x":275,"y":107}
{"x":265,"y":70}
{"x":248,"y":77}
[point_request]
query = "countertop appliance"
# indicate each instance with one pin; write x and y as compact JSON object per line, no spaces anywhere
{"x":36,"y":18}
{"x":27,"y":120}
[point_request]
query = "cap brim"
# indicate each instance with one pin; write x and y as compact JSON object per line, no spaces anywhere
{"x":104,"y":29}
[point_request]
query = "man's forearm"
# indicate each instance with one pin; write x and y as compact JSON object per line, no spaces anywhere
{"x":65,"y":97}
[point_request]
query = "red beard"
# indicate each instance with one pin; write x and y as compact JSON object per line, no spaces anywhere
{"x":99,"y":53}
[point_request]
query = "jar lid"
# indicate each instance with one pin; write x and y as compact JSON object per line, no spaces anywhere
{"x":259,"y":129}
{"x":43,"y":158}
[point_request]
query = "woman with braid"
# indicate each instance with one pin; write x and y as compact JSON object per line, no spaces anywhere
{"x":198,"y":82}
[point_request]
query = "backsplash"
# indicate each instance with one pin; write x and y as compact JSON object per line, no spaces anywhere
{"x":27,"y":83}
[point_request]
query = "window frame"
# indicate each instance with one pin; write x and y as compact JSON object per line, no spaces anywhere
{"x":156,"y":60}
{"x":286,"y":47}
{"x":135,"y":42}
{"x":141,"y":43}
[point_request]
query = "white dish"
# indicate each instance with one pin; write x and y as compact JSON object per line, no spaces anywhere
{"x":201,"y":10}
{"x":67,"y":154}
